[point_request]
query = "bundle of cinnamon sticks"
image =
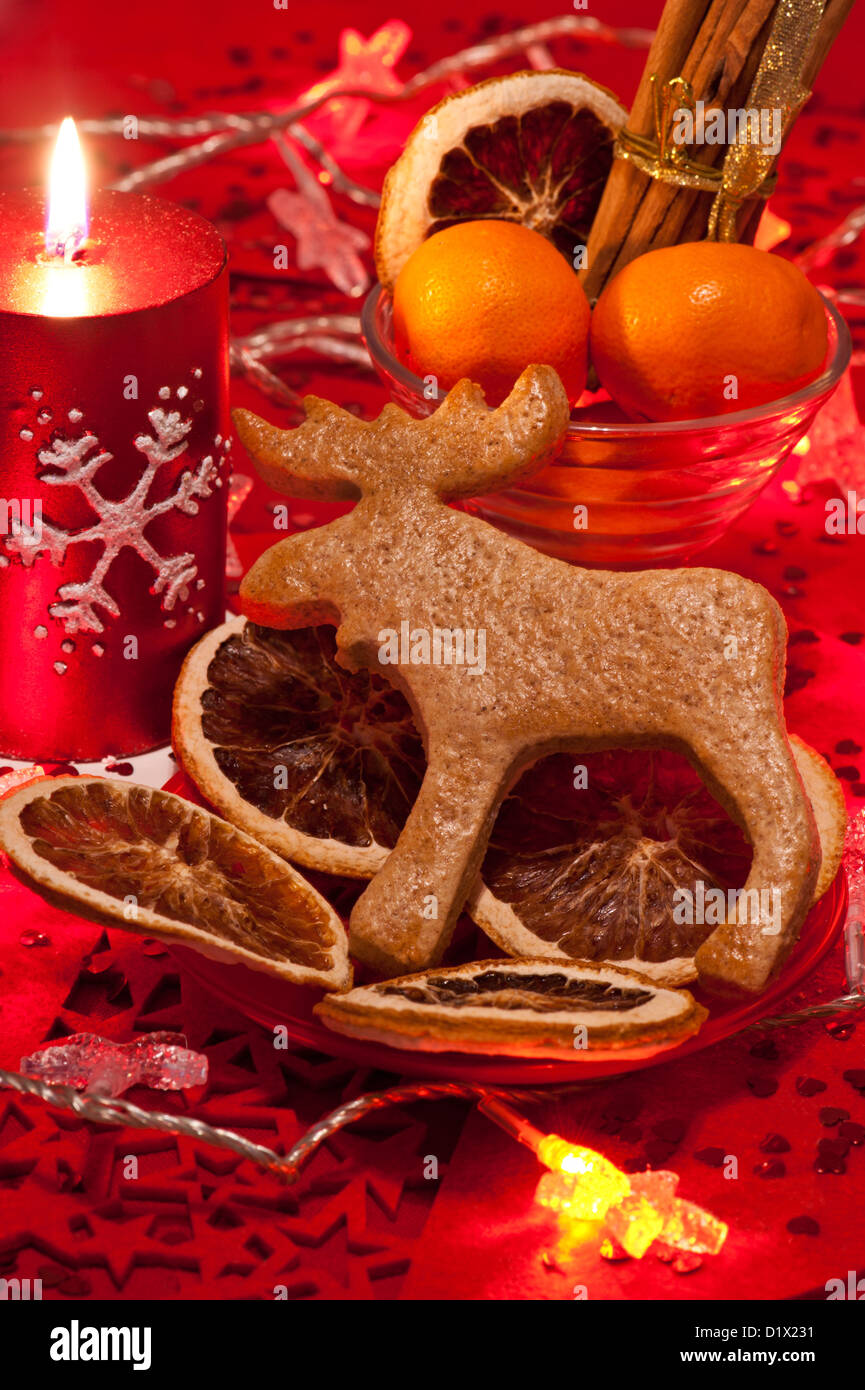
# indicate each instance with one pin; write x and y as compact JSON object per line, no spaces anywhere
{"x":716,"y":46}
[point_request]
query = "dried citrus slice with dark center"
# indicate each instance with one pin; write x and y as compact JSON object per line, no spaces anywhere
{"x":155,"y":863}
{"x":524,"y":1008}
{"x":595,"y":858}
{"x":320,"y":763}
{"x":501,"y":988}
{"x":605,"y":856}
{"x":531,"y":147}
{"x":323,"y":765}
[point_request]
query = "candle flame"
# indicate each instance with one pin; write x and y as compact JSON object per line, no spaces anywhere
{"x":66,"y":226}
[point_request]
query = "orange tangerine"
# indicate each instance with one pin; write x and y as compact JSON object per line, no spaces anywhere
{"x":705,"y":328}
{"x":486,"y":299}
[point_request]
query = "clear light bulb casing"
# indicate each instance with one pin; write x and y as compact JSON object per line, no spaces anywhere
{"x":638,"y":1212}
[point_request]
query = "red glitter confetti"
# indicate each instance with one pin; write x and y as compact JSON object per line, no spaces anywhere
{"x":830,"y":1115}
{"x":770,"y":1168}
{"x":809,"y":1085}
{"x":762,"y":1085}
{"x":775,"y":1144}
{"x":803,"y":1226}
{"x":715,"y":1158}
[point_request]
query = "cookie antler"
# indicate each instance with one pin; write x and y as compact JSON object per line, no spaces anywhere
{"x":314,"y":460}
{"x":465,"y":448}
{"x":462,"y":450}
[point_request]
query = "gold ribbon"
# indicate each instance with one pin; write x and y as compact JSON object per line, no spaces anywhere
{"x":747,"y":168}
{"x":660,"y":157}
{"x":777,"y":86}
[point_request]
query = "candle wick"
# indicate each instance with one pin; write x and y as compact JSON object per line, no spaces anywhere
{"x":65,"y":246}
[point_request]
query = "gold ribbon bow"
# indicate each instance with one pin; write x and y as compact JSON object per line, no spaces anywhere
{"x":747,"y":168}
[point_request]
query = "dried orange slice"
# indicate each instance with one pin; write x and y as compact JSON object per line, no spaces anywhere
{"x":590,"y":872}
{"x":154,"y":863}
{"x":531,"y":147}
{"x":571,"y":873}
{"x":321,"y":764}
{"x":519,"y":1008}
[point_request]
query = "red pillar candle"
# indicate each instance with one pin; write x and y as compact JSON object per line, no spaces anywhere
{"x":113,"y":470}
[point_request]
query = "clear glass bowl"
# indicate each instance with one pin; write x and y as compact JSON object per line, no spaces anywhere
{"x":624,"y":495}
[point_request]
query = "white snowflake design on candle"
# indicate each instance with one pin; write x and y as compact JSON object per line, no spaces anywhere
{"x":120,"y":524}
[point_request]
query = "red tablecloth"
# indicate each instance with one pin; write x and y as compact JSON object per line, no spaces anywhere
{"x":365,"y":1222}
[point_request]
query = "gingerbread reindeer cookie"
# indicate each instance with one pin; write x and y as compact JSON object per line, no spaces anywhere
{"x":506,"y":655}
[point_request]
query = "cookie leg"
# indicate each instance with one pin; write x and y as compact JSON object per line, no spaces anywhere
{"x":404,"y":920}
{"x":755,"y":777}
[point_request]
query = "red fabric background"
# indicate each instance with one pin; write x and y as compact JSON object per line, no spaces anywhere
{"x":365,"y":1222}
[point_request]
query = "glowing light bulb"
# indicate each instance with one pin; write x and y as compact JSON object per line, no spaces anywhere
{"x":66,"y":224}
{"x":771,"y":231}
{"x":638,"y":1211}
{"x":596,"y":1183}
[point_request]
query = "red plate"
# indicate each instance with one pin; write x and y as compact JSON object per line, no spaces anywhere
{"x":274,"y":1003}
